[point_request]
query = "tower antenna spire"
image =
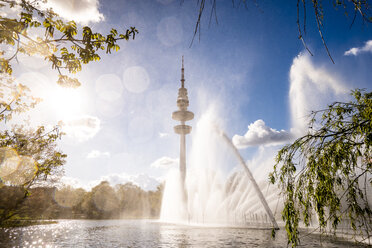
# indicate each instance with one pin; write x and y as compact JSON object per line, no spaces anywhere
{"x":182,"y":115}
{"x":182,"y":75}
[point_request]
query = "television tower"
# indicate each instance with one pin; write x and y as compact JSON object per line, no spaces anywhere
{"x":182,"y":115}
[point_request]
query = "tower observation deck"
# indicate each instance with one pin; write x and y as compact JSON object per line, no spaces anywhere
{"x":182,"y":115}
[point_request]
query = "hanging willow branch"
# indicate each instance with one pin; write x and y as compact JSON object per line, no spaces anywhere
{"x":327,"y":173}
{"x":359,"y":7}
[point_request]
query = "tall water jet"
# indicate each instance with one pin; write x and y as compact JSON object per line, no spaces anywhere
{"x":251,"y":178}
{"x":182,"y":115}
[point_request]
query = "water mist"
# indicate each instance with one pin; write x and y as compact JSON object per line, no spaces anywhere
{"x":216,"y":193}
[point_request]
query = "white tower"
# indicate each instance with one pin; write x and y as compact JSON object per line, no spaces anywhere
{"x":182,"y":115}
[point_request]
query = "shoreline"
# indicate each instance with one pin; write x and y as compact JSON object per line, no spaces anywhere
{"x":33,"y":222}
{"x":26,"y":222}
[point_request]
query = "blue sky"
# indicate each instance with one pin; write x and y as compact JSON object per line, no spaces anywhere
{"x":251,"y":66}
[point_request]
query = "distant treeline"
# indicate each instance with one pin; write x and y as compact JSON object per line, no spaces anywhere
{"x":102,"y":202}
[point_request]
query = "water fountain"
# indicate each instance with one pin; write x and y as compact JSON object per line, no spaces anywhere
{"x":207,"y":196}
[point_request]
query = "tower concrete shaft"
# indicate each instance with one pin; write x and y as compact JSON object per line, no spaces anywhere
{"x":182,"y":115}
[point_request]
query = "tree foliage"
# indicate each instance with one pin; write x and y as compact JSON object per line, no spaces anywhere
{"x":101,"y":202}
{"x":124,"y":201}
{"x":61,"y":43}
{"x":31,"y":157}
{"x":328,"y":172}
{"x":27,"y":159}
{"x":14,"y":98}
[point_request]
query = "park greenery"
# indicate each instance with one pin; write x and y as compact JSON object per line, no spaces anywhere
{"x":29,"y":157}
{"x":326,"y":175}
{"x":101,"y":202}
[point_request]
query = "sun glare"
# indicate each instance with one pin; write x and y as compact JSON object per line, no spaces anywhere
{"x":57,"y":103}
{"x":66,"y":102}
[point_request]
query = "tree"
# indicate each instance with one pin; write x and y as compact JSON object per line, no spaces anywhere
{"x":155,"y":200}
{"x":14,"y":98}
{"x":40,"y":204}
{"x":68,"y":197}
{"x":132,"y":200}
{"x":358,"y":7}
{"x":30,"y":157}
{"x":101,"y":202}
{"x":328,"y":172}
{"x":27,"y":158}
{"x":62,"y":43}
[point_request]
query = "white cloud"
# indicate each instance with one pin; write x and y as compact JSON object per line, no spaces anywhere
{"x":82,"y":128}
{"x":162,"y":135}
{"x":143,"y":181}
{"x":10,"y":12}
{"x":73,"y":182}
{"x":98,"y":154}
{"x":311,"y":88}
{"x":165,"y":163}
{"x":82,"y":11}
{"x":260,"y":134}
{"x":357,"y":50}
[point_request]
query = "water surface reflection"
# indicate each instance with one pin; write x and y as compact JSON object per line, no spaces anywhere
{"x":143,"y":233}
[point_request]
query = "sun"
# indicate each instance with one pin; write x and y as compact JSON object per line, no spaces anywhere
{"x":66,"y":102}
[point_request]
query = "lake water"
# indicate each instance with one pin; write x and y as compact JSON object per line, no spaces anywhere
{"x":147,"y":233}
